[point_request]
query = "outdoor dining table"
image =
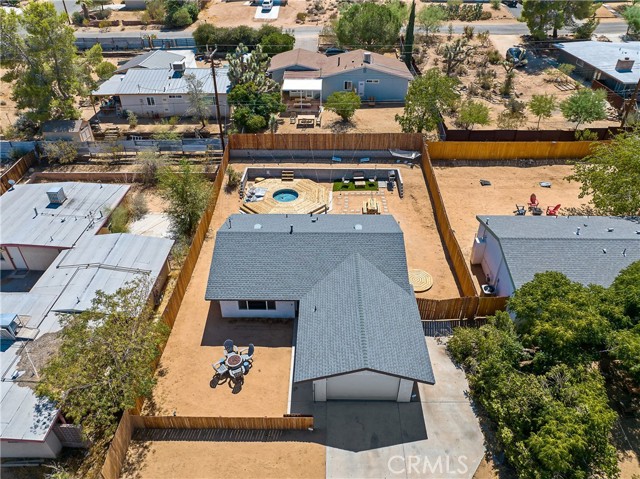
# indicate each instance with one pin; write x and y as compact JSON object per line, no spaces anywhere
{"x":233,"y":361}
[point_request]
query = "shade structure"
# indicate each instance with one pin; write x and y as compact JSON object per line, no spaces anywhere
{"x":304,"y":84}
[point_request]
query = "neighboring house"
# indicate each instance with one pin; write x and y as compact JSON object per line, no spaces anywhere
{"x":310,"y":75}
{"x":32,"y":427}
{"x":344,"y":280}
{"x":159,"y":59}
{"x":161,"y":92}
{"x":615,"y":65}
{"x":67,"y":130}
{"x":39,"y":221}
{"x":589,"y":250}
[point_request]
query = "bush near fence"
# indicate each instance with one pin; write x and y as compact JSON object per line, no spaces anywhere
{"x":523,"y":135}
{"x":16,"y":171}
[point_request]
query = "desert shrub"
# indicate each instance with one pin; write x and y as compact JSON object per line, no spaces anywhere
{"x":119,"y":221}
{"x":494,"y":57}
{"x":103,"y":24}
{"x":468,"y":32}
{"x":586,"y":135}
{"x":483,"y":38}
{"x":507,"y":85}
{"x":102,"y":14}
{"x":155,"y":11}
{"x":567,"y":68}
{"x":138,"y":207}
{"x":495,"y":4}
{"x":132,"y":119}
{"x":302,"y":16}
{"x":173,"y":121}
{"x":77,"y":18}
{"x":181,"y":18}
{"x":233,"y":179}
{"x":150,"y":163}
{"x":62,"y":152}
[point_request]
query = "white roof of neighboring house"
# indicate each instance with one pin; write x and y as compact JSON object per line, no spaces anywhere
{"x":102,"y":262}
{"x":162,"y":81}
{"x":84,"y":212}
{"x":160,"y":59}
{"x":308,"y":84}
{"x":605,"y":55}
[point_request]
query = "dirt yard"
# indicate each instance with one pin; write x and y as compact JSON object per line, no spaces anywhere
{"x":480,"y":80}
{"x":464,"y":197}
{"x":365,"y":120}
{"x":270,"y":459}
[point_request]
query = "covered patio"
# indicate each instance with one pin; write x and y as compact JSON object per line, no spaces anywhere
{"x":303,"y":98}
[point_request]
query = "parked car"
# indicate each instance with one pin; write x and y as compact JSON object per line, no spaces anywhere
{"x":510,"y":3}
{"x":334,"y":51}
{"x":517,"y":56}
{"x":267,"y":5}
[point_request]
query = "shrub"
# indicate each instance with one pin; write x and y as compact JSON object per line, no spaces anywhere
{"x":181,"y":18}
{"x":77,"y":18}
{"x":155,"y":11}
{"x":495,"y":4}
{"x":62,"y":152}
{"x":119,"y":221}
{"x":132,"y":119}
{"x":485,"y":16}
{"x":102,"y":14}
{"x":343,"y":103}
{"x":173,"y":121}
{"x":103,"y":24}
{"x":494,"y":57}
{"x":138,"y":207}
{"x":233,"y":179}
{"x":468,"y":32}
{"x":507,"y":86}
{"x":150,"y":163}
{"x":302,"y":16}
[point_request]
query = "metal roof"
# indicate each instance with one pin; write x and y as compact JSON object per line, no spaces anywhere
{"x":6,"y":319}
{"x":349,"y":273}
{"x":159,"y":59}
{"x":356,"y":319}
{"x":101,"y":262}
{"x":605,"y":55}
{"x":84,"y":212}
{"x":162,"y":81}
{"x":63,"y":126}
{"x":534,"y":244}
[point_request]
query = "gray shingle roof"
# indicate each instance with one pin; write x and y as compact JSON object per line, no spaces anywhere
{"x":534,"y":244}
{"x":349,"y":273}
{"x":270,"y":263}
{"x":356,"y":319}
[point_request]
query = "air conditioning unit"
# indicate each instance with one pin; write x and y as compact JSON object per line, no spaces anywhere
{"x":624,"y":64}
{"x":178,"y":66}
{"x":56,"y":195}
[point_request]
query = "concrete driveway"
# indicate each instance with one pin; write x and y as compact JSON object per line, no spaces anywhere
{"x":436,"y":437}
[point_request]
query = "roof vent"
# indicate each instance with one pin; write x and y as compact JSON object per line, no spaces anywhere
{"x":578,"y":231}
{"x":367,"y":57}
{"x":257,"y":226}
{"x":610,"y":230}
{"x":358,"y":227}
{"x":290,"y":229}
{"x":56,"y":195}
{"x":624,"y":64}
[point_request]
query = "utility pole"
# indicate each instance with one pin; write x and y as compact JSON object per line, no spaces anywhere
{"x":628,"y":104}
{"x":66,"y":11}
{"x":215,"y":89}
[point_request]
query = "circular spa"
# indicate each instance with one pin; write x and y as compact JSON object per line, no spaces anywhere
{"x":285,"y":195}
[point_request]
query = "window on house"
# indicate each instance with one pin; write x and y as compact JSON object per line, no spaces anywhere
{"x":373,"y":81}
{"x":175,"y":96}
{"x":348,"y":85}
{"x":151,"y":101}
{"x":257,"y":305}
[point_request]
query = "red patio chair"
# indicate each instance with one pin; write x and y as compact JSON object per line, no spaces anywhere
{"x":553,"y":211}
{"x":533,"y":201}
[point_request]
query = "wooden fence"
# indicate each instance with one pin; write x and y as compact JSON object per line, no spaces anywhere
{"x":255,"y":423}
{"x":118,"y":448}
{"x":543,"y":150}
{"x":17,"y":171}
{"x":326,"y":141}
{"x":445,"y":327}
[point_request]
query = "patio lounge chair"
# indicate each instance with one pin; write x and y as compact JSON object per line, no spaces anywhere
{"x":336,"y":159}
{"x":553,"y":211}
{"x":520,"y":210}
{"x":365,"y":160}
{"x":220,"y":368}
{"x":247,"y":354}
{"x":533,"y":201}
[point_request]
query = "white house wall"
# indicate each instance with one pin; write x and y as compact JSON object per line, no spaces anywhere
{"x":47,"y":449}
{"x":284,"y":309}
{"x":38,"y":258}
{"x":165,"y":105}
{"x":489,"y":254}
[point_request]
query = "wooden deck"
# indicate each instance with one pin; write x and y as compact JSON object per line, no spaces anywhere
{"x":312,"y":198}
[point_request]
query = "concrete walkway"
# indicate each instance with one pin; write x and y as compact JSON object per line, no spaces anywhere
{"x":437,"y":437}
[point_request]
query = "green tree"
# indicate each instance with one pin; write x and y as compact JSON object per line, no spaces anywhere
{"x":544,"y":15}
{"x":105,"y":70}
{"x":187,"y":194}
{"x":585,"y":106}
{"x":611,"y":174}
{"x":400,"y":10}
{"x":105,"y":361}
{"x":277,"y":42}
{"x":473,"y":113}
{"x":188,"y":12}
{"x":431,"y":18}
{"x":200,"y":102}
{"x":181,"y":18}
{"x":631,"y":15}
{"x":343,"y":103}
{"x":45,"y":66}
{"x":252,"y":107}
{"x":62,"y":152}
{"x":245,"y":68}
{"x":368,"y":25}
{"x":409,"y":37}
{"x":427,"y":96}
{"x":624,"y":348}
{"x":542,"y":106}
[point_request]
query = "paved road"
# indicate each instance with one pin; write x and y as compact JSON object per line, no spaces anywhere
{"x":71,"y":6}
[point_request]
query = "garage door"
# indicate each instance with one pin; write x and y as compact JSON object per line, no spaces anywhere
{"x":363,"y":385}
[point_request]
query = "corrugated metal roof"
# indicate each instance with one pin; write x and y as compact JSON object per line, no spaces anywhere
{"x":162,"y":81}
{"x":102,"y":262}
{"x":534,"y":244}
{"x":605,"y":55}
{"x":159,"y":59}
{"x":84,"y":212}
{"x":349,"y":273}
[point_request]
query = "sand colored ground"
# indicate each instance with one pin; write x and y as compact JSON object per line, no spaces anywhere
{"x":200,"y":460}
{"x":196,"y":341}
{"x":464,"y":197}
{"x":365,"y":120}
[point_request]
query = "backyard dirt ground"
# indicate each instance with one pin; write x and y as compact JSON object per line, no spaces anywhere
{"x":464,"y":197}
{"x":245,"y":458}
{"x":365,"y":120}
